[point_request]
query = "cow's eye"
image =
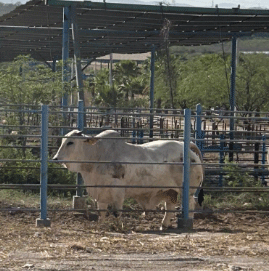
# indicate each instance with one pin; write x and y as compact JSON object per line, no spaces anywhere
{"x":70,"y":143}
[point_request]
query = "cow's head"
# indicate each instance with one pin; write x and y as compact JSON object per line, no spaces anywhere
{"x":74,"y":148}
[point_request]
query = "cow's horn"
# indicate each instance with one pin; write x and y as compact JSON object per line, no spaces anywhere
{"x":91,"y":141}
{"x":78,"y":133}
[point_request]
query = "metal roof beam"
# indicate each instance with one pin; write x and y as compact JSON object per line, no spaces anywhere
{"x":157,"y":8}
{"x":30,"y":29}
{"x":96,"y":32}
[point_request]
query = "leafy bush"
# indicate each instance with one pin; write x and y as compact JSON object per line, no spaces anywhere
{"x":236,"y":177}
{"x":20,"y":172}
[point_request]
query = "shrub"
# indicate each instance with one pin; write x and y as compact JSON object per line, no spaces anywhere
{"x":236,"y":177}
{"x":24,"y":172}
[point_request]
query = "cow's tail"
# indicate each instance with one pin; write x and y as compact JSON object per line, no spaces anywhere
{"x":200,"y":193}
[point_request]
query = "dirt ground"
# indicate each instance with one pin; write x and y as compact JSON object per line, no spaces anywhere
{"x":218,"y":242}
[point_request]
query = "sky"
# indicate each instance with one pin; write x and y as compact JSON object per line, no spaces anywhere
{"x":195,"y":3}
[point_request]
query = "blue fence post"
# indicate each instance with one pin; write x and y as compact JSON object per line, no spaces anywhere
{"x":54,"y":60}
{"x":65,"y":56}
{"x":221,"y":157}
{"x":79,"y":202}
{"x":185,"y":221}
{"x":232,"y":97}
{"x":65,"y":51}
{"x":198,"y":128}
{"x":263,"y":158}
{"x":152,"y":69}
{"x":141,"y":135}
{"x":134,"y":131}
{"x":80,"y":115}
{"x":80,"y":128}
{"x":43,"y":220}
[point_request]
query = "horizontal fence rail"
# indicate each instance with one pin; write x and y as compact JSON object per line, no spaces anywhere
{"x":21,"y":131}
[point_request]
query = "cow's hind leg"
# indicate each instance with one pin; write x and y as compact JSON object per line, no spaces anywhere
{"x":192,"y":203}
{"x":170,"y":197}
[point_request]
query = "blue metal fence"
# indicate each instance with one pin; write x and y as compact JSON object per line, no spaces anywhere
{"x":44,"y":162}
{"x":193,"y":130}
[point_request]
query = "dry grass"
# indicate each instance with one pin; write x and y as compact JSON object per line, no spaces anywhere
{"x":74,"y":237}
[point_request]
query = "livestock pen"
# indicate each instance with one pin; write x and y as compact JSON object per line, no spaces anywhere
{"x":22,"y":134}
{"x":26,"y":128}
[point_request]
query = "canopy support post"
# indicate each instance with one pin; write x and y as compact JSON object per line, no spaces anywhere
{"x":77,"y":59}
{"x":152,"y":65}
{"x":232,"y":96}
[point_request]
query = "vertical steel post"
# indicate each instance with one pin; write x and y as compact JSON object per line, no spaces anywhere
{"x":263,"y":158}
{"x":65,"y":57}
{"x":79,"y":202}
{"x":185,"y":221}
{"x":43,"y":221}
{"x":54,"y":63}
{"x":198,"y":128}
{"x":186,"y":159}
{"x":110,"y":70}
{"x":198,"y":135}
{"x":80,"y":115}
{"x":44,"y":161}
{"x":77,"y":60}
{"x":80,"y":128}
{"x":232,"y":96}
{"x":134,"y":131}
{"x":221,"y":157}
{"x":152,"y":69}
{"x":65,"y":52}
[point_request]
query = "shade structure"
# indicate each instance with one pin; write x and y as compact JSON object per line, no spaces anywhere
{"x":36,"y":28}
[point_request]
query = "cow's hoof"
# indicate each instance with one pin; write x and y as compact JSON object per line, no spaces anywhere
{"x":116,"y":214}
{"x":163,"y":228}
{"x":93,"y":217}
{"x":143,"y":215}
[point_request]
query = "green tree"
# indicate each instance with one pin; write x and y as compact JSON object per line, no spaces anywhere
{"x":128,"y":80}
{"x":252,"y":83}
{"x":203,"y":79}
{"x":127,"y":90}
{"x":206,"y":79}
{"x":165,"y":82}
{"x":25,"y":81}
{"x":102,"y":93}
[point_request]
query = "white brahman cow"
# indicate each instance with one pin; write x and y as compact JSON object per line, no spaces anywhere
{"x":109,"y":147}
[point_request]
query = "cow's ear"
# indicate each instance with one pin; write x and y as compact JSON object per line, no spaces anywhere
{"x":78,"y":133}
{"x":91,"y":141}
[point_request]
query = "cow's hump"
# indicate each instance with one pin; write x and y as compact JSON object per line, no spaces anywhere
{"x":108,"y":133}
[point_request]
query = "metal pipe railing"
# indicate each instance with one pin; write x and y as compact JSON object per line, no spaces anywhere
{"x":81,"y":114}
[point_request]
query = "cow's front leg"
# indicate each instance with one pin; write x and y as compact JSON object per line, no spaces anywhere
{"x":117,"y":197}
{"x":118,"y":204}
{"x":168,"y":216}
{"x":102,"y":207}
{"x":170,"y":204}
